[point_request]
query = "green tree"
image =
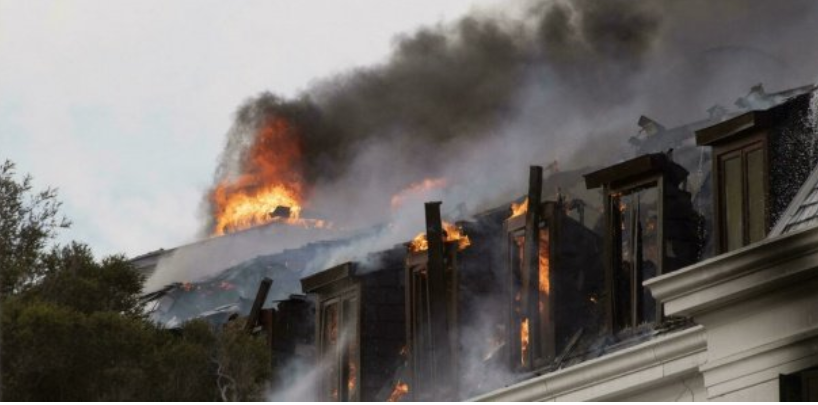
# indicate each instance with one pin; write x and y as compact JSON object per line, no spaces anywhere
{"x":73,"y":327}
{"x":28,"y":222}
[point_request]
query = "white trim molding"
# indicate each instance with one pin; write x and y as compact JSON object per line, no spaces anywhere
{"x":631,"y":370}
{"x":744,"y":273}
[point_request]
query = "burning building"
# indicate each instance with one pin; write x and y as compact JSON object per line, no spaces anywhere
{"x":554,"y":270}
{"x":705,"y":304}
{"x":359,"y":328}
{"x":684,"y":268}
{"x":453,"y":283}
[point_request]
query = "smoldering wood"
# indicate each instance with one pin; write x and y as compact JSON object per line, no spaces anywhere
{"x":261,"y":296}
{"x":474,"y":298}
{"x":531,"y":254}
{"x":575,"y":278}
{"x":380,"y":324}
{"x":280,"y":212}
{"x":438,"y":302}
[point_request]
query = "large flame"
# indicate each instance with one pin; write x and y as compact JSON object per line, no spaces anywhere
{"x":453,"y":234}
{"x":270,"y":187}
{"x":400,"y":390}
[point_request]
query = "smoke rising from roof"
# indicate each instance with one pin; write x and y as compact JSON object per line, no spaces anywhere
{"x":479,"y":99}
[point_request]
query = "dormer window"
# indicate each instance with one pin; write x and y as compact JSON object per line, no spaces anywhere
{"x":760,"y":159}
{"x":651,"y":229}
{"x":554,"y":271}
{"x":338,"y":331}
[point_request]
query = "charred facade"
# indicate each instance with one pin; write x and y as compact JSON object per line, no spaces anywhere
{"x":472,"y":296}
{"x":359,"y":328}
{"x":554,"y":282}
{"x":651,"y":229}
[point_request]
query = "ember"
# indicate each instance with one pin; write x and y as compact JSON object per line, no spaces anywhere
{"x":353,"y":379}
{"x":453,"y":234}
{"x":400,"y":390}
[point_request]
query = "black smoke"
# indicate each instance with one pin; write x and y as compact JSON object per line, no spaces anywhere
{"x":541,"y":77}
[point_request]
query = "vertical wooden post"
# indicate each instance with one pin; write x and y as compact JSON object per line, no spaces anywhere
{"x":261,"y":296}
{"x":439,"y":304}
{"x":531,"y":260}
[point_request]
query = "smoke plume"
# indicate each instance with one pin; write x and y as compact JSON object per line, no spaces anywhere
{"x":540,"y":76}
{"x":475,"y":101}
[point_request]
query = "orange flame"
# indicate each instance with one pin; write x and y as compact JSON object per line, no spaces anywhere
{"x":519,"y":209}
{"x":453,"y":234}
{"x":544,"y":262}
{"x":400,"y":390}
{"x":524,"y":341}
{"x":417,"y":188}
{"x":353,"y":378}
{"x":270,"y":180}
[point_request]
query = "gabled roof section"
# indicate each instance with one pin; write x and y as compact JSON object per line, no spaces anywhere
{"x":803,"y":209}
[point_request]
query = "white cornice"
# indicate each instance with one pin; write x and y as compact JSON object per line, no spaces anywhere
{"x":740,"y":274}
{"x":627,"y":370}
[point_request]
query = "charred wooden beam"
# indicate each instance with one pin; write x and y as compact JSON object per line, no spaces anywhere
{"x":438,"y":302}
{"x":613,"y":308}
{"x":261,"y":296}
{"x":531,"y":259}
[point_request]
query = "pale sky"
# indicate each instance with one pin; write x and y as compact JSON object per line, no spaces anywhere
{"x":124,"y":105}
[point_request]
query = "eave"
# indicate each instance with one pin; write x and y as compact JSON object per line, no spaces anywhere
{"x":741,"y":274}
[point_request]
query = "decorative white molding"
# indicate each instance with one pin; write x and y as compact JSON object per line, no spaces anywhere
{"x":762,"y":363}
{"x":744,"y":273}
{"x":628,"y":370}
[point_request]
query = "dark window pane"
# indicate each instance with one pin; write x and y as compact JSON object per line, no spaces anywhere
{"x":351,"y":337}
{"x":330,"y":337}
{"x":755,"y":195}
{"x":733,"y":204}
{"x":639,"y":252}
{"x":649,"y":251}
{"x":621,"y":207}
{"x":520,"y":328}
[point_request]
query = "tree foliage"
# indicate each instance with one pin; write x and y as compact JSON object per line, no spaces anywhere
{"x":73,"y":328}
{"x":28,"y":221}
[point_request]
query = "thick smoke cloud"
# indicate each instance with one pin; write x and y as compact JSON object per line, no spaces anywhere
{"x":479,"y":99}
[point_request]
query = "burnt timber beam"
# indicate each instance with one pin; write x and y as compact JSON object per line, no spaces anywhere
{"x":531,"y":261}
{"x":436,"y":269}
{"x":261,"y":296}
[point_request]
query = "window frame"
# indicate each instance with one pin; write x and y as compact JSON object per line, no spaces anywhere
{"x":722,"y":153}
{"x":794,"y":387}
{"x":543,"y":339}
{"x":614,"y":247}
{"x":339,"y":297}
{"x":416,"y":265}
